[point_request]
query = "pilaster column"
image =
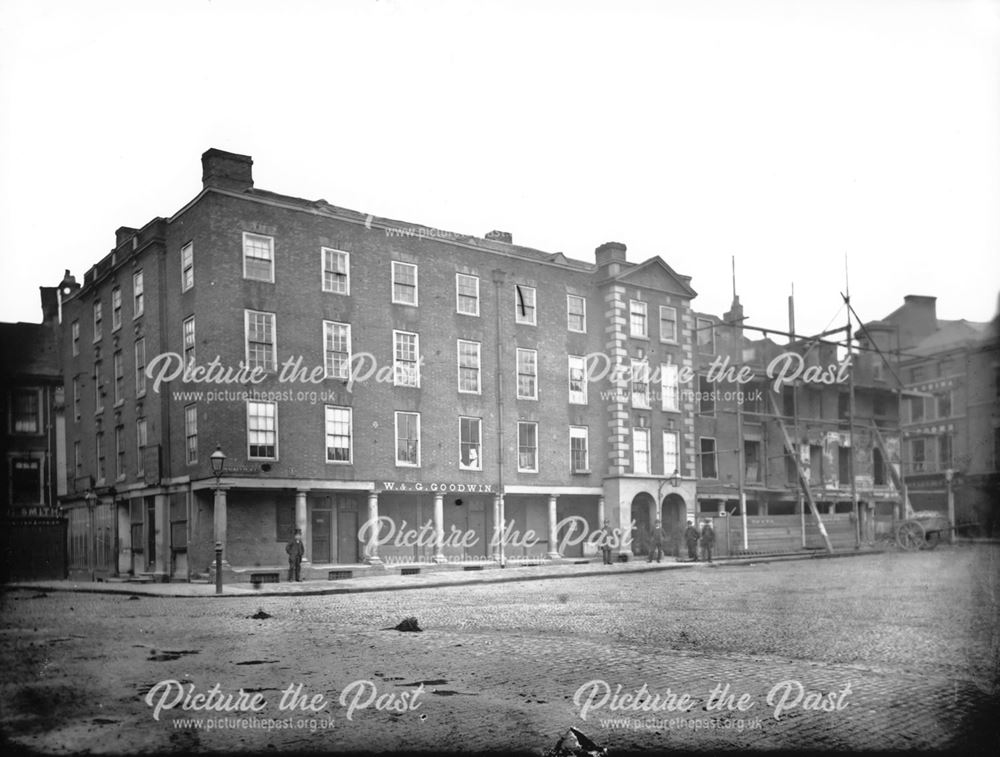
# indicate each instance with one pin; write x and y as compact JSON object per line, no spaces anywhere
{"x":497,"y":526}
{"x":219,"y":522}
{"x":438,"y":527}
{"x":371,"y":548}
{"x":302,"y":520}
{"x":600,"y":512}
{"x":553,"y":547}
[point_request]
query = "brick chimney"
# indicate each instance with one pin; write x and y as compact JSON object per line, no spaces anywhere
{"x":610,"y":258}
{"x":500,"y":236}
{"x":919,"y":319}
{"x":226,"y":170}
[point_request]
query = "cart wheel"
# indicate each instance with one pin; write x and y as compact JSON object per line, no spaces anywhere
{"x":933,"y":539}
{"x":910,"y":536}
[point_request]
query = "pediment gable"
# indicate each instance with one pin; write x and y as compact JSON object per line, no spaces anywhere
{"x":655,"y":274}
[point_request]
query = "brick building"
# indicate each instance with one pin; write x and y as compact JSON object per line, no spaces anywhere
{"x":388,"y":371}
{"x":948,"y":371}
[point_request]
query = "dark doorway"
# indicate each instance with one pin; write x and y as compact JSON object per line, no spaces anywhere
{"x":347,"y":536}
{"x":319,"y":526}
{"x":150,"y":531}
{"x":674,"y":522}
{"x":641,"y":505}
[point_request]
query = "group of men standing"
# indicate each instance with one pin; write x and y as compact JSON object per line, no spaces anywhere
{"x":706,"y":536}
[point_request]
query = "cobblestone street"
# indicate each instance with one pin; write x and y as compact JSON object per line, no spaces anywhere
{"x":901,"y":648}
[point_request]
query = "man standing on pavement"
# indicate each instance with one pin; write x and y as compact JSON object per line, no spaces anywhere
{"x":605,"y":542}
{"x":295,"y":550}
{"x":707,"y":539}
{"x":656,"y":540}
{"x":691,"y":539}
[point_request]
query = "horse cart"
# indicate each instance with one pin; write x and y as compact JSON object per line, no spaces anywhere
{"x":922,"y":530}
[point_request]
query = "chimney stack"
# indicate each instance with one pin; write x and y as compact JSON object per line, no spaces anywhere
{"x":610,"y":258}
{"x":226,"y":170}
{"x":500,"y":236}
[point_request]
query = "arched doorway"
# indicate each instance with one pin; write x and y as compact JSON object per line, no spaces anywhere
{"x":674,"y":521}
{"x":643,"y":506}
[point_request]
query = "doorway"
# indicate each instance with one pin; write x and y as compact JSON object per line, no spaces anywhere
{"x":642,"y":504}
{"x":674,"y":522}
{"x":319,"y":527}
{"x":347,"y":536}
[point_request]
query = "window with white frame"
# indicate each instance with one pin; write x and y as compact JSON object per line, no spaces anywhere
{"x":116,"y":308}
{"x":258,"y":257}
{"x":707,"y":457}
{"x":75,"y":332}
{"x":640,"y":383}
{"x":98,"y":321}
{"x":339,"y":431}
{"x":189,"y":340}
{"x":671,"y":458}
{"x":262,"y":430}
{"x":119,"y":452}
{"x":25,"y":412}
{"x":705,"y":335}
{"x":524,"y":305}
{"x":668,"y":323}
{"x":470,"y":442}
{"x":336,"y":271}
{"x":119,"y":370}
{"x":408,"y":439}
{"x":140,"y":367}
{"x":640,"y":450}
{"x":191,"y":433}
{"x":405,"y":358}
{"x":404,"y":283}
{"x":638,"y":321}
{"x":577,"y":380}
{"x":187,"y":266}
{"x":260,"y":347}
{"x":337,"y":349}
{"x":98,"y":388}
{"x":670,"y":391}
{"x":576,"y":313}
{"x":469,"y":367}
{"x":466,"y":294}
{"x":138,"y":295}
{"x":140,"y":446}
{"x":579,"y":454}
{"x":527,"y":374}
{"x":527,"y":446}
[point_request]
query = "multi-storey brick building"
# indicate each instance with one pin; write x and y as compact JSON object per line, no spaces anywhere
{"x":948,"y":371}
{"x":352,"y":367}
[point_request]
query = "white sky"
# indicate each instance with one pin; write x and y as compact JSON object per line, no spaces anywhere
{"x":788,"y":134}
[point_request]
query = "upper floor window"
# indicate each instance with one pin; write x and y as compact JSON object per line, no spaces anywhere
{"x":705,"y":335}
{"x":709,"y":466}
{"x":408,"y":439}
{"x":640,"y":450}
{"x":944,"y":405}
{"x":527,"y":374}
{"x":25,"y":411}
{"x":138,"y":295}
{"x":406,"y":358}
{"x":119,"y":369}
{"x":706,"y":397}
{"x":75,"y":334}
{"x":191,"y":433}
{"x":671,"y":457}
{"x":98,"y":320}
{"x":524,"y":305}
{"x":260,"y":345}
{"x":189,"y":340}
{"x":339,"y":422}
{"x":404,"y":283}
{"x":668,"y":324}
{"x":337,"y":349}
{"x":469,"y":369}
{"x":187,"y":266}
{"x":466,"y":294}
{"x":577,"y":380}
{"x":638,"y":325}
{"x":470,"y":433}
{"x":140,"y":367}
{"x":76,"y":399}
{"x":576,"y":313}
{"x":527,"y":446}
{"x":640,"y":383}
{"x":258,"y":257}
{"x":336,"y":271}
{"x":116,"y":308}
{"x":579,"y":455}
{"x":98,"y":388}
{"x":669,"y":387}
{"x":262,"y":430}
{"x":140,"y":446}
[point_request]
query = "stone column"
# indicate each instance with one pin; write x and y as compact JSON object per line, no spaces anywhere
{"x":497,"y":526}
{"x":371,"y":548}
{"x":600,"y":512}
{"x":219,"y":523}
{"x":553,"y":517}
{"x":302,"y":521}
{"x":438,"y":527}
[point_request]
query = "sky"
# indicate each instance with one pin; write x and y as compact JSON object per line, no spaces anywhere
{"x":815,"y":142}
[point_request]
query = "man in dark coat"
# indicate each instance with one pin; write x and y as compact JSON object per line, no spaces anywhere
{"x":691,"y":537}
{"x":295,"y":550}
{"x":707,"y":539}
{"x":657,"y":538}
{"x":605,"y":542}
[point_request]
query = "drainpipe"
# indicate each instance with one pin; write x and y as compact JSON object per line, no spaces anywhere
{"x":498,"y":281}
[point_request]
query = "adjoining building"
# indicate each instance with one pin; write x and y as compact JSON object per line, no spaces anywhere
{"x":948,"y":371}
{"x":351,"y":368}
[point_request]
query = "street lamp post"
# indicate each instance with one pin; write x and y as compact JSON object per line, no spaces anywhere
{"x":218,"y":460}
